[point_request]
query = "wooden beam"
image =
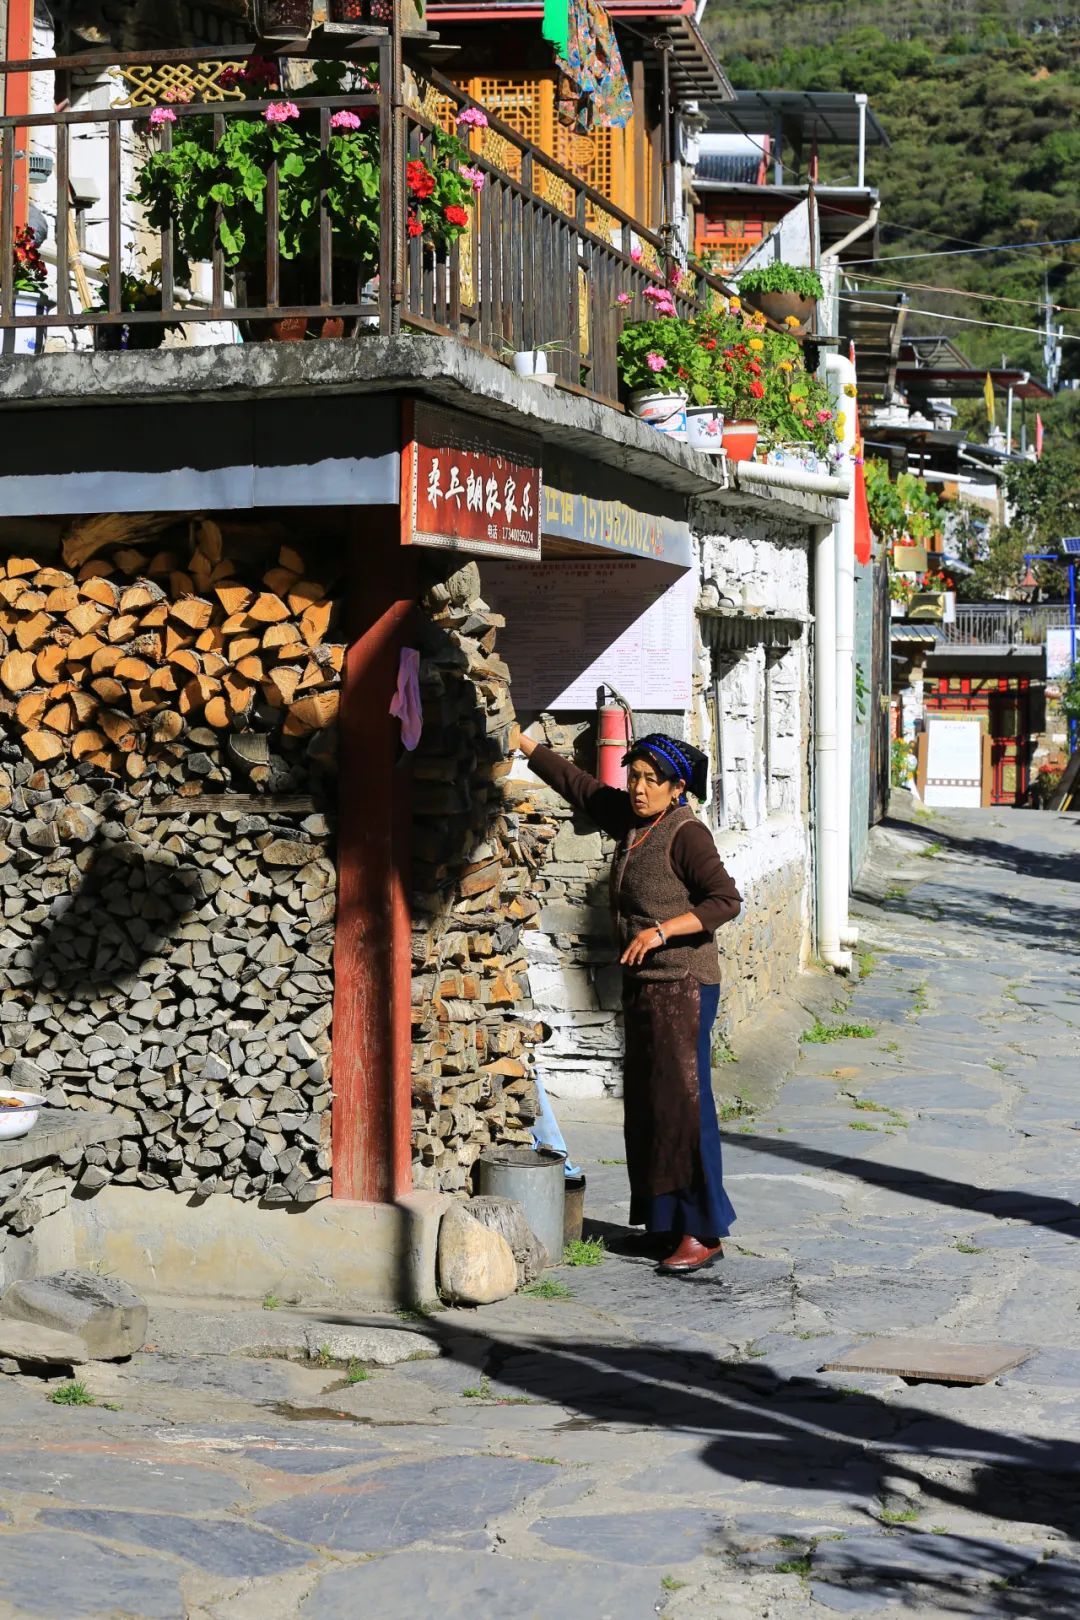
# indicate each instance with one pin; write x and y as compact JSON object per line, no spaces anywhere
{"x":372,"y":1032}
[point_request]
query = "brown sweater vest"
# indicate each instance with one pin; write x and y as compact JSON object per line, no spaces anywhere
{"x":645,"y":891}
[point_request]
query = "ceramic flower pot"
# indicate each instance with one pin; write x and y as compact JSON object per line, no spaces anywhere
{"x":740,"y":440}
{"x":26,"y":339}
{"x":530,"y":363}
{"x":778,"y":306}
{"x":705,"y":429}
{"x":665,"y":412}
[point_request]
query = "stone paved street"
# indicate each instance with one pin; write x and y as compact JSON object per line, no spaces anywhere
{"x":667,"y":1446}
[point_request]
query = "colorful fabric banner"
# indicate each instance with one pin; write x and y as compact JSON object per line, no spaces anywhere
{"x":1038,"y":436}
{"x":594,"y":92}
{"x":988,"y":395}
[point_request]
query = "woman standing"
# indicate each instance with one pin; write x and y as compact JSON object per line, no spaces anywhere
{"x":669,"y":894}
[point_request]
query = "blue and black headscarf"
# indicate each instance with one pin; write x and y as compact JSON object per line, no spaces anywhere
{"x":673,"y":760}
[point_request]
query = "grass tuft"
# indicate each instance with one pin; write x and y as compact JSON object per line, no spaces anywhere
{"x":356,"y":1374}
{"x":547,"y":1288}
{"x":478,"y":1392}
{"x":668,"y":1583}
{"x":962,"y":1246}
{"x":74,"y":1394}
{"x":584,"y":1252}
{"x":270,"y":1302}
{"x":906,"y":1515}
{"x":820,"y":1034}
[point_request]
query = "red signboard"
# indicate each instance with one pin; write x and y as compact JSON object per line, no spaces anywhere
{"x":468,"y":485}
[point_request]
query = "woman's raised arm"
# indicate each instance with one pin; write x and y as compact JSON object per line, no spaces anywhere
{"x":609,"y":807}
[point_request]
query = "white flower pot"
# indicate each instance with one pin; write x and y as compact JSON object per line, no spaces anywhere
{"x":665,"y":412}
{"x":705,"y":429}
{"x":26,"y":339}
{"x":530,"y":363}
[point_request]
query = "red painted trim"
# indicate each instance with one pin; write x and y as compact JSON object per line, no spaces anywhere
{"x":372,"y":1030}
{"x":19,"y":48}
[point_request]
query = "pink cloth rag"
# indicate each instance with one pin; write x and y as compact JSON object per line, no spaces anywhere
{"x":406,"y":703}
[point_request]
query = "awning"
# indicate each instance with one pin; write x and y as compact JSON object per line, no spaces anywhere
{"x":875,"y":326}
{"x":827,"y":117}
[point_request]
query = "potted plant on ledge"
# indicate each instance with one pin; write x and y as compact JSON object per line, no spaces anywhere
{"x":655,"y":357}
{"x":785,"y":293}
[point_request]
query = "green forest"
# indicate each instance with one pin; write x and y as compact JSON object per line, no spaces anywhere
{"x":981,"y":104}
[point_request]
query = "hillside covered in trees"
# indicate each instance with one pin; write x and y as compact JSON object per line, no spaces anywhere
{"x":981,"y":103}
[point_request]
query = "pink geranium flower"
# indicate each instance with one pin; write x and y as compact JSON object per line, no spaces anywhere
{"x":476,"y":177}
{"x":475,"y":116}
{"x":624,"y":299}
{"x":162,"y":115}
{"x":279,"y":112}
{"x":635,"y":253}
{"x":655,"y":362}
{"x":344,"y":120}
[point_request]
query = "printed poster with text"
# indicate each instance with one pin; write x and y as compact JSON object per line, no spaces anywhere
{"x":572,"y":625}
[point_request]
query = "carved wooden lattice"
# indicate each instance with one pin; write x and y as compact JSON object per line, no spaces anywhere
{"x":181,"y":81}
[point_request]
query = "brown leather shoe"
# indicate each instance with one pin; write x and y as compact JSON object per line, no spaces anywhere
{"x":691,"y":1255}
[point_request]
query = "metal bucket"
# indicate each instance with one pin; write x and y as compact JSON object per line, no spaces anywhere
{"x":534,"y":1177}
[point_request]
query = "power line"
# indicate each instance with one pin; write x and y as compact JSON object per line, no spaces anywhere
{"x":964,"y":320}
{"x":965,"y":292}
{"x":944,"y":253}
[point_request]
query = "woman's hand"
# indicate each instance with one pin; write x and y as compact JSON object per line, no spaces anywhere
{"x":650,"y":939}
{"x":519,"y":740}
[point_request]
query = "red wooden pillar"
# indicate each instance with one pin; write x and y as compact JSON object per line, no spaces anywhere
{"x":372,"y":1030}
{"x":18,"y":47}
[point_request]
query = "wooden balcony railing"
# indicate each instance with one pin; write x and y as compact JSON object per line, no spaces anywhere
{"x":546,"y":259}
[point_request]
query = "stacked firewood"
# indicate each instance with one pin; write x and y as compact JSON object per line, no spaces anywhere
{"x":167,"y":758}
{"x":112,"y":659}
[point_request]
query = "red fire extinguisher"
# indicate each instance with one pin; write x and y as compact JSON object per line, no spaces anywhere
{"x":614,"y":735}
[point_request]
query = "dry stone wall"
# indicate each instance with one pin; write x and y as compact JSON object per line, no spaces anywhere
{"x":168,"y":886}
{"x":472,"y":1029}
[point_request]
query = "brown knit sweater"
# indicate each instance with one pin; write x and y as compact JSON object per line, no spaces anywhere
{"x":674,"y":869}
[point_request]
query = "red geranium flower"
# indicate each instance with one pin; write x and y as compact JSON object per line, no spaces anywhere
{"x":709,"y":343}
{"x":757,"y":389}
{"x":419,"y":179}
{"x":415,"y":228}
{"x":455,"y":215}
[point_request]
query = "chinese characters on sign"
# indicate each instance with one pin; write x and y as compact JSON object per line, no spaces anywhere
{"x":468,"y":485}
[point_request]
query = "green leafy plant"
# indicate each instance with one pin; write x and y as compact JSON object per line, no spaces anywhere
{"x":478,"y":1392}
{"x":657,"y":355}
{"x":901,"y":762}
{"x":782,"y":278}
{"x":355,"y":1373}
{"x":214,"y":192}
{"x":862,"y":694}
{"x":271,"y":1302}
{"x":73,"y":1394}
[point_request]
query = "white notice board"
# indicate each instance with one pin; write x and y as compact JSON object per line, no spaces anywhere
{"x":954,"y":763}
{"x":572,"y":625}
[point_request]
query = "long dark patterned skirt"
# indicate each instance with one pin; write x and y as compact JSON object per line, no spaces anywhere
{"x":673,"y":1153}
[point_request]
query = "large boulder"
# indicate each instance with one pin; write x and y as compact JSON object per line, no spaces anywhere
{"x":507,"y":1217}
{"x":27,"y":1342}
{"x":107,"y":1315}
{"x":476,"y":1265}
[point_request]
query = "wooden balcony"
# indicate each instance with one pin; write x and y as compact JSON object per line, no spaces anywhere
{"x":546,"y":259}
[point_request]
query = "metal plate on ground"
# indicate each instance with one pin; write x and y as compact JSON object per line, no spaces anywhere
{"x":931,"y":1361}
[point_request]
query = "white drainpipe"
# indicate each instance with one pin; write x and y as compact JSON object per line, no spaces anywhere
{"x":828,"y":863}
{"x":841,"y":375}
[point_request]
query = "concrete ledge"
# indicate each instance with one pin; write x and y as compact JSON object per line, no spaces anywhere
{"x":59,"y":1131}
{"x":329,"y":1253}
{"x":440,"y":368}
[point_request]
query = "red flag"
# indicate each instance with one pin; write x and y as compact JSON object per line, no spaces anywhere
{"x":1038,"y":437}
{"x":863,"y":536}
